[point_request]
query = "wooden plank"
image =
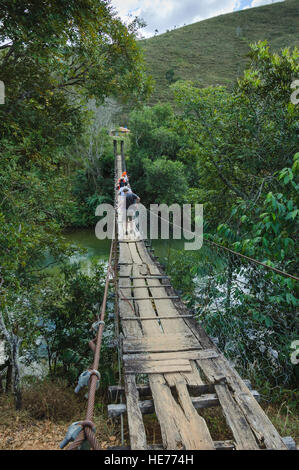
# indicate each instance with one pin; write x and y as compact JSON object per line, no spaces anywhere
{"x":159,"y":367}
{"x":155,"y":318}
{"x":259,"y":422}
{"x":159,"y":344}
{"x":116,"y":390}
{"x":165,"y":306}
{"x":200,"y":354}
{"x":175,"y":428}
{"x":130,"y":360}
{"x":236,"y":420}
{"x":135,"y":421}
{"x":125,"y":308}
{"x":197,"y":425}
{"x":153,"y":287}
{"x":146,"y":277}
{"x":135,"y":256}
{"x":154,"y":299}
{"x":173,"y":422}
{"x":192,"y":379}
{"x":265,"y":433}
{"x":128,"y":241}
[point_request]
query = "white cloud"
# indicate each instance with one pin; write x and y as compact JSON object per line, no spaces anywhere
{"x":259,"y":3}
{"x":165,"y":14}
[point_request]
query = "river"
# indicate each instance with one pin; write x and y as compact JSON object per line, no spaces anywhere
{"x":98,"y":250}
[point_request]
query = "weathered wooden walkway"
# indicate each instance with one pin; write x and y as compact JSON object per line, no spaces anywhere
{"x":186,"y":372}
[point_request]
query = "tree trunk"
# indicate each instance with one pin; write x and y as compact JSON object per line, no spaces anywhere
{"x":229,"y":285}
{"x":8,"y":378}
{"x":13,"y":371}
{"x":16,"y":385}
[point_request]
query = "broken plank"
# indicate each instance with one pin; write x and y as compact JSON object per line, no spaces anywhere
{"x":197,"y":424}
{"x":236,"y":420}
{"x":264,"y":431}
{"x":135,"y":421}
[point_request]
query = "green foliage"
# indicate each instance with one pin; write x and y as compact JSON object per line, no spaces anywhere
{"x":154,"y":144}
{"x":240,"y":139}
{"x":238,"y":149}
{"x":93,"y":184}
{"x":55,"y":57}
{"x":174,"y":184}
{"x":67,"y":305}
{"x":214,"y":51}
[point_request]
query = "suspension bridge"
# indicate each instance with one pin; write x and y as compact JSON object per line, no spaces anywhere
{"x":170,"y":366}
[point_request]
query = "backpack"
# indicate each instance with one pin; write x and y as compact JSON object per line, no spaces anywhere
{"x":130,"y":199}
{"x":122,"y":182}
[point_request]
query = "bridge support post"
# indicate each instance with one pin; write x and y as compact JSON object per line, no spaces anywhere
{"x":122,"y":155}
{"x":115,"y":148}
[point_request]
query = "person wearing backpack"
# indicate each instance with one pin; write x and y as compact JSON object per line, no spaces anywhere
{"x":131,"y":200}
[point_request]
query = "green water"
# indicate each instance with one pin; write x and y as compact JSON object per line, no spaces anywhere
{"x":98,"y":250}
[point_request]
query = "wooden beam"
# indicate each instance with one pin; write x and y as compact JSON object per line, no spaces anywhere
{"x":145,"y":277}
{"x":150,"y":298}
{"x":147,"y":406}
{"x":156,"y":318}
{"x":145,"y":390}
{"x":147,"y":287}
{"x":190,"y":355}
{"x":219,"y":445}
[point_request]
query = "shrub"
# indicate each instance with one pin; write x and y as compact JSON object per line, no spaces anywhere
{"x":52,"y":400}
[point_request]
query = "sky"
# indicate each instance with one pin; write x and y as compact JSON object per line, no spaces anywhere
{"x":165,"y":14}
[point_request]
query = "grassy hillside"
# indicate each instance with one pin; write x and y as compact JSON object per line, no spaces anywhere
{"x":214,"y":51}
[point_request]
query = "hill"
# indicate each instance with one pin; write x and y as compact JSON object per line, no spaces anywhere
{"x":214,"y":51}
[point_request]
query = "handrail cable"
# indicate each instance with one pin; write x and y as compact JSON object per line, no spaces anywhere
{"x":248,"y":258}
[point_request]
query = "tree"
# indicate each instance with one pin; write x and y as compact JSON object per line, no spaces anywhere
{"x":152,"y":136}
{"x":165,"y":181}
{"x":54,"y":56}
{"x":241,"y":139}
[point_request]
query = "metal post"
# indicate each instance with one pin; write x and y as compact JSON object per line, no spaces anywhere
{"x":122,"y":155}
